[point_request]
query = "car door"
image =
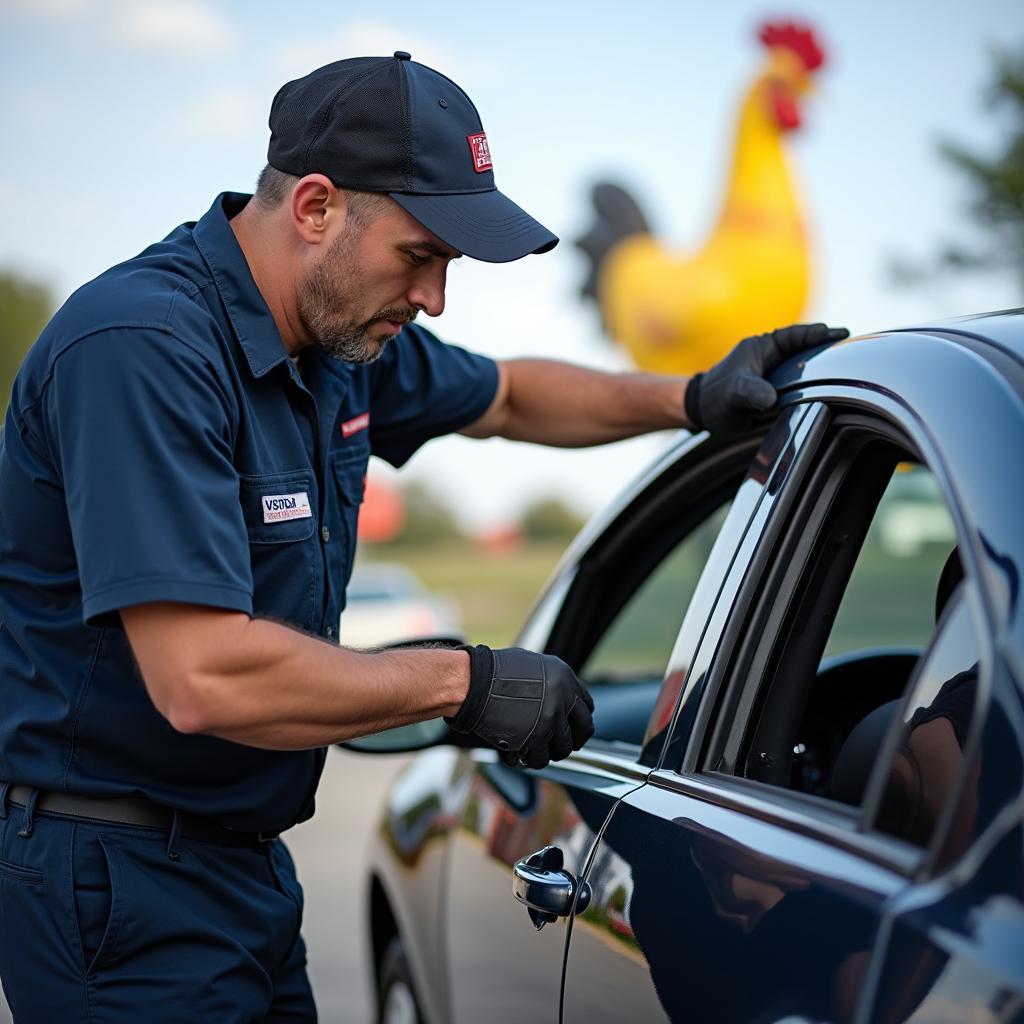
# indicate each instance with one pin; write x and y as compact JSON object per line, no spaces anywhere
{"x":952,"y":943}
{"x":747,"y":880}
{"x":612,"y":611}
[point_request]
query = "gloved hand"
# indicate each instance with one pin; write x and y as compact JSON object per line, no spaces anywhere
{"x":729,"y":397}
{"x":530,"y":706}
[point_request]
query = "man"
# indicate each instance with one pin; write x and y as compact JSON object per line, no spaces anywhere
{"x":182,"y":467}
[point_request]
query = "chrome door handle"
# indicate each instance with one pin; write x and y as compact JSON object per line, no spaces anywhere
{"x":548,"y":891}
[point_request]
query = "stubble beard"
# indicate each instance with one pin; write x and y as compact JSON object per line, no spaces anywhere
{"x":335,"y":285}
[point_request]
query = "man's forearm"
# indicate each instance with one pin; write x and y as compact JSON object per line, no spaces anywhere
{"x":556,"y":403}
{"x":266,"y":685}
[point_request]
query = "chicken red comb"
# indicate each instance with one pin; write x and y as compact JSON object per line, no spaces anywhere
{"x":800,"y":40}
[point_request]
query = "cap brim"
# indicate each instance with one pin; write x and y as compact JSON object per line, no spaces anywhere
{"x":483,"y":225}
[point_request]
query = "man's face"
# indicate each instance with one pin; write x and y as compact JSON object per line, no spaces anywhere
{"x":371,"y":280}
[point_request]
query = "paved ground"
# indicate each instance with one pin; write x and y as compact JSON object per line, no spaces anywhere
{"x":330,"y":852}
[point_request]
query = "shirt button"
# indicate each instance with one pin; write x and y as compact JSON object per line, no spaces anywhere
{"x":329,"y":632}
{"x":325,"y":534}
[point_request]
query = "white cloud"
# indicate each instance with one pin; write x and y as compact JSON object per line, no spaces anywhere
{"x":188,"y":27}
{"x":178,"y":27}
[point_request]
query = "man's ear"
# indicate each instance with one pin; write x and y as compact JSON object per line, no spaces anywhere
{"x":316,"y":202}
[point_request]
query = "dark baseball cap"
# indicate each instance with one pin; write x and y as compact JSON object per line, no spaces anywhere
{"x":388,"y":124}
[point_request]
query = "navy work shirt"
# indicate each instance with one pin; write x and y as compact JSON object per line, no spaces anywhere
{"x":161,"y":446}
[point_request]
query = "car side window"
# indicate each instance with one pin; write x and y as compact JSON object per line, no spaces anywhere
{"x":848,"y":607}
{"x":625,"y":599}
{"x":631,"y":590}
{"x":638,"y":643}
{"x":890,"y":596}
{"x":918,"y":781}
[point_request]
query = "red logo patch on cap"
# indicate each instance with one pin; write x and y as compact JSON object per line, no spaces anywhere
{"x":481,"y":152}
{"x":353,"y":426}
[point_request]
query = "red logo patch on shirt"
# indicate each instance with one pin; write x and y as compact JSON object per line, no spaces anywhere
{"x":481,"y":152}
{"x":354,"y":425}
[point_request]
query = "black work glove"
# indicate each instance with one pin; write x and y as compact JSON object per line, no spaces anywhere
{"x":733,"y":394}
{"x":530,"y":706}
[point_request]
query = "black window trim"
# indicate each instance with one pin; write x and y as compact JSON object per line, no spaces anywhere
{"x":809,"y":432}
{"x":771,"y":605}
{"x":813,"y":816}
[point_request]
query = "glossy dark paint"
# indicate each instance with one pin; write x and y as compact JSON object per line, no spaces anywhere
{"x":958,"y":934}
{"x":712,"y":901}
{"x":735,"y":918}
{"x":967,"y":417}
{"x":953,"y":946}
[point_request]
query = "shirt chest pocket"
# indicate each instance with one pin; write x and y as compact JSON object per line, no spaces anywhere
{"x":280,"y":512}
{"x":348,"y":468}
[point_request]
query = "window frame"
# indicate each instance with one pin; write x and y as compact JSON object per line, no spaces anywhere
{"x":714,"y":628}
{"x":849,"y":828}
{"x":587,"y":595}
{"x":792,"y":586}
{"x":622,"y":558}
{"x":641,"y":601}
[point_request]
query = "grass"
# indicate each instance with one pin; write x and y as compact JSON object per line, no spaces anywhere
{"x":493,"y":590}
{"x":889,"y":601}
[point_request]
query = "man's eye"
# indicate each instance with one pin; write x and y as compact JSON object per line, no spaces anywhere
{"x":417,"y":260}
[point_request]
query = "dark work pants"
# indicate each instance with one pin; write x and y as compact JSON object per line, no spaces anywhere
{"x":99,"y":924}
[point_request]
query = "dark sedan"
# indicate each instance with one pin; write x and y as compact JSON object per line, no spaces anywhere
{"x":805,"y":797}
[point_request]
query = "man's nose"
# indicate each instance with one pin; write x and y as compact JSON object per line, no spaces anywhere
{"x":427,"y":293}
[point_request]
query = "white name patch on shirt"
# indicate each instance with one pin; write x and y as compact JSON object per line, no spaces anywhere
{"x":277,"y":507}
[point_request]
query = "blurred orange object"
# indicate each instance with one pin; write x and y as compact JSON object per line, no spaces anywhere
{"x":382,"y":515}
{"x":499,"y":540}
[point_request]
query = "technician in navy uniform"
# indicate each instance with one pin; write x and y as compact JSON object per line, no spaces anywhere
{"x":181,"y":467}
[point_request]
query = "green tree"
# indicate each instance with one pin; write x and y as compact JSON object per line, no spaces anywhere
{"x":550,"y":519}
{"x":996,"y":182}
{"x":25,"y":306}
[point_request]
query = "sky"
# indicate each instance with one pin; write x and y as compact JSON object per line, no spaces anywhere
{"x":120,"y":119}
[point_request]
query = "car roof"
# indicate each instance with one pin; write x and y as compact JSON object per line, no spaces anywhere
{"x":1004,"y":328}
{"x":904,"y":354}
{"x":1001,"y":330}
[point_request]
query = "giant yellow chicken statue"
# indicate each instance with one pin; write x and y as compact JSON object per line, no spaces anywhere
{"x":677,"y":313}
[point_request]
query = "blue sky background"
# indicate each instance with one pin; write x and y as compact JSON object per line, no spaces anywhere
{"x":122,"y":118}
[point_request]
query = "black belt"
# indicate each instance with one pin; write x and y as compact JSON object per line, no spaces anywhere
{"x":130,"y":810}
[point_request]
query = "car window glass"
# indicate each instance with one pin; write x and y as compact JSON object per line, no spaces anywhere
{"x":836,"y":646}
{"x":638,"y":643}
{"x":890,"y":596}
{"x":620,"y":625}
{"x":918,"y":782}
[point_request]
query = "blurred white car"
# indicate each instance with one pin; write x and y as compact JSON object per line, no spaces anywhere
{"x":916,"y":516}
{"x":388,"y":603}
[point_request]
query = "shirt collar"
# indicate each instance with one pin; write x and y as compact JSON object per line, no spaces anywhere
{"x":250,"y":317}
